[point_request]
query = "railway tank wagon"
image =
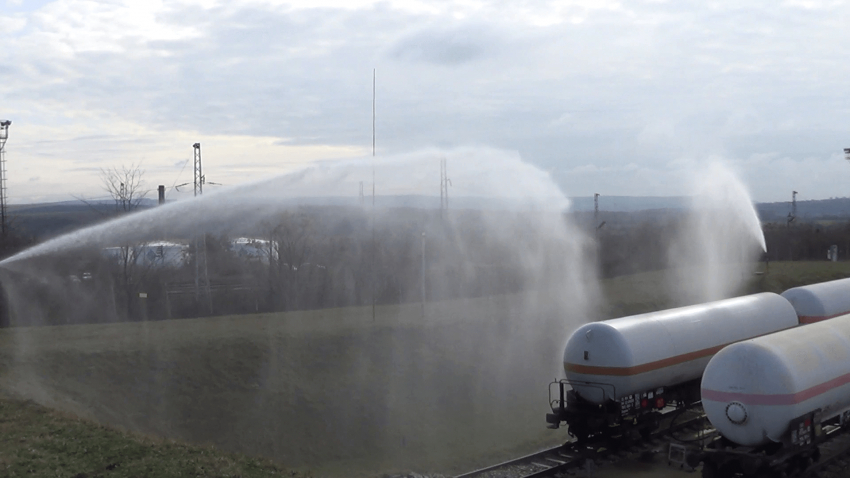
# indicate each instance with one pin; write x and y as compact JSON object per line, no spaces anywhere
{"x":620,"y":373}
{"x":817,"y":302}
{"x":777,"y":396}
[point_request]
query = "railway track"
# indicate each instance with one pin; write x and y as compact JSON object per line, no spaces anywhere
{"x":835,"y":455}
{"x":590,"y":455}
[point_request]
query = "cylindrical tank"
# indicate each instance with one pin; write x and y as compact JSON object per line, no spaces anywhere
{"x":822,"y":301}
{"x":752,"y":390}
{"x":615,"y":358}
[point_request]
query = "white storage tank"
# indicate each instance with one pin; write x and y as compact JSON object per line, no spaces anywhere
{"x":822,"y":301}
{"x":753,"y":390}
{"x":616,"y":358}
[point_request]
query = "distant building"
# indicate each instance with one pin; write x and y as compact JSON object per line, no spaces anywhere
{"x":832,"y":253}
{"x":253,"y":249}
{"x":153,"y":254}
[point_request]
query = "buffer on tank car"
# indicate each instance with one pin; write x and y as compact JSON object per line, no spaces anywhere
{"x":777,"y":398}
{"x":621,"y":373}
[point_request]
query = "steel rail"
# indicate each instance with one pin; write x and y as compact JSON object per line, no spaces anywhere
{"x":573,"y":454}
{"x":515,"y":461}
{"x":826,"y":462}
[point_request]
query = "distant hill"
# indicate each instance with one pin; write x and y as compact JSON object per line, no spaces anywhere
{"x":816,"y":209}
{"x":812,"y":210}
{"x":47,"y":220}
{"x":630,"y":203}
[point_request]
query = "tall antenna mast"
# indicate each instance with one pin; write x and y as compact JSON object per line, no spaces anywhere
{"x":374,"y":252}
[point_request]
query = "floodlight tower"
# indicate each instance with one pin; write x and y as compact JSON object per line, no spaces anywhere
{"x":4,"y":135}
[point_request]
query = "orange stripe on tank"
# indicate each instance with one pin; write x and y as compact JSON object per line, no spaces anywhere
{"x":643,"y":368}
{"x":811,"y":319}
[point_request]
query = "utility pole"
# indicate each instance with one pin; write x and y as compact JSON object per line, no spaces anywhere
{"x":201,"y":246}
{"x":199,"y":171}
{"x":595,"y":210}
{"x":596,"y":224}
{"x":793,"y":214}
{"x":444,"y":188}
{"x":423,"y":274}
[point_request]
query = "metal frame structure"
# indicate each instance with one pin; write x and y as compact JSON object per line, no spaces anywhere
{"x":4,"y":135}
{"x":199,"y":172}
{"x":793,"y":214}
{"x":201,"y":245}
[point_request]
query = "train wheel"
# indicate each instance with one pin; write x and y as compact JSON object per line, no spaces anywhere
{"x":646,"y":431}
{"x":580,"y":432}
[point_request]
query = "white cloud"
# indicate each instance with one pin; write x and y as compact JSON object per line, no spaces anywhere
{"x":630,"y":88}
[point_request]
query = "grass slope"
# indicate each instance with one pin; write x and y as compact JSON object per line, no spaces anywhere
{"x":334,"y":391}
{"x":39,"y":442}
{"x":330,"y":390}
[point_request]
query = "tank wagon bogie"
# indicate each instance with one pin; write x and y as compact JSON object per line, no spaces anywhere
{"x":621,"y":373}
{"x":778,"y":397}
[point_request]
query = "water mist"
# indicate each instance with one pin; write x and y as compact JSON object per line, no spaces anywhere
{"x":713,"y":253}
{"x":433,"y":386}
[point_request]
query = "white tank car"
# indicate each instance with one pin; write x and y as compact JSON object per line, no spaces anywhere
{"x":822,"y":301}
{"x":752,"y":391}
{"x":616,"y":358}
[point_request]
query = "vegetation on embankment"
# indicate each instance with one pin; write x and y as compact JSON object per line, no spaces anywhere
{"x":39,"y":442}
{"x":333,"y":391}
{"x":654,"y":290}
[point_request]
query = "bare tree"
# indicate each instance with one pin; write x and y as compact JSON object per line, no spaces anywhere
{"x":126,"y":186}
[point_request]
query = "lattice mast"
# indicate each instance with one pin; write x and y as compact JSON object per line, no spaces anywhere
{"x":199,"y":170}
{"x":4,"y":135}
{"x":201,"y":245}
{"x":793,"y":214}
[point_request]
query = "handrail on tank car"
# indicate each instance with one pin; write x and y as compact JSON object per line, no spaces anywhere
{"x":561,"y":400}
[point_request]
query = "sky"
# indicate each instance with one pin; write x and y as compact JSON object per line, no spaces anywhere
{"x":611,"y":97}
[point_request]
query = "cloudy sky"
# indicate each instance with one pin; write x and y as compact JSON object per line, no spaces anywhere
{"x":614,"y":97}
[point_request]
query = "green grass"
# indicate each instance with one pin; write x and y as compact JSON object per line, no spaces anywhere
{"x":39,"y":442}
{"x":332,"y":391}
{"x":651,"y":291}
{"x":780,"y":276}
